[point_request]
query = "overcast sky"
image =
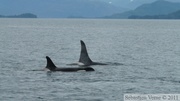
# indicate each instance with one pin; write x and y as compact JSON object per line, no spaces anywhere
{"x":136,"y":0}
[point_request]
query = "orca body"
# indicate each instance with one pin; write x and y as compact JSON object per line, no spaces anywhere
{"x":84,"y":57}
{"x":51,"y":66}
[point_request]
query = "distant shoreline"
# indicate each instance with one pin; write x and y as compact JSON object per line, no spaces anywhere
{"x":24,"y":15}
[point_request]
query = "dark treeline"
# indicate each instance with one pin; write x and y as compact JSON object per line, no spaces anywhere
{"x":174,"y":15}
{"x":24,"y":15}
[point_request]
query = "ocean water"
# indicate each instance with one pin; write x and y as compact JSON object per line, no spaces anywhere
{"x":143,"y":57}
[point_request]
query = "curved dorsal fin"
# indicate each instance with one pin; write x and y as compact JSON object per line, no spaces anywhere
{"x":50,"y":65}
{"x":84,"y":57}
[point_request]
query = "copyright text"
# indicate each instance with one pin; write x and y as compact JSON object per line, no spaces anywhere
{"x":151,"y":97}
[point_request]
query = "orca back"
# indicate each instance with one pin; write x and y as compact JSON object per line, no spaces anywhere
{"x":51,"y":66}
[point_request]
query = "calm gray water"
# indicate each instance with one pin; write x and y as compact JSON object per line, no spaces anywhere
{"x":148,"y":49}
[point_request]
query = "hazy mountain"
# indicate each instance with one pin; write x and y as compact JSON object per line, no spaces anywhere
{"x":128,"y":4}
{"x":158,"y":7}
{"x":131,"y":4}
{"x":58,"y":8}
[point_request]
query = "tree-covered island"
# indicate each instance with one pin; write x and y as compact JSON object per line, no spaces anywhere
{"x":24,"y":15}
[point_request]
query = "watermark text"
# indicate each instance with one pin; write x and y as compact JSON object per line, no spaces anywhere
{"x":151,"y":97}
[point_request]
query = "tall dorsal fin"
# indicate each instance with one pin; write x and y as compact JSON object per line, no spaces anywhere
{"x":84,"y":57}
{"x":50,"y":65}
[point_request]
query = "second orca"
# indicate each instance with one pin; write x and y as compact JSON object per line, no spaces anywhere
{"x":84,"y":59}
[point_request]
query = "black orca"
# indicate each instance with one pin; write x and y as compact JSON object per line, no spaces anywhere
{"x":84,"y":57}
{"x":51,"y":66}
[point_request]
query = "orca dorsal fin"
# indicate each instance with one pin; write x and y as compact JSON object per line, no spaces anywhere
{"x":50,"y":65}
{"x":84,"y":57}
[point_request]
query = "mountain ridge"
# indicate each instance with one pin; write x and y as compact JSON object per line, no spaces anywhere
{"x":159,"y":7}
